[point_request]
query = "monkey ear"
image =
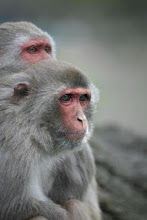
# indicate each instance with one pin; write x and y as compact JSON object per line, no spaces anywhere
{"x":21,"y":91}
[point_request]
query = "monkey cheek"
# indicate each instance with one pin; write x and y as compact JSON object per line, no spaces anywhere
{"x":34,"y":58}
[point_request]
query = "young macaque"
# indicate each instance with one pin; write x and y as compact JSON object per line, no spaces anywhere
{"x":46,"y":165}
{"x":23,"y":44}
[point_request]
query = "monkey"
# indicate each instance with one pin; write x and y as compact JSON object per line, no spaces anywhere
{"x":22,"y":44}
{"x":46,"y":164}
{"x":16,"y":31}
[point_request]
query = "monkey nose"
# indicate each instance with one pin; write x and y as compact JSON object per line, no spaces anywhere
{"x":83,"y":121}
{"x":81,"y":118}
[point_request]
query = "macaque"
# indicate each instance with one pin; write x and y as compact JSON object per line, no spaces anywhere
{"x":23,"y":44}
{"x":47,"y":169}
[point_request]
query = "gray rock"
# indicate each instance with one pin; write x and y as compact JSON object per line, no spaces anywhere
{"x":121,"y":160}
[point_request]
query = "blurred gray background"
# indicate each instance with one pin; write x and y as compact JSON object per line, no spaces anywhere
{"x":108,"y":40}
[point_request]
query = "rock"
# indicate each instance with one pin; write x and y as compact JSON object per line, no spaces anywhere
{"x":121,"y":160}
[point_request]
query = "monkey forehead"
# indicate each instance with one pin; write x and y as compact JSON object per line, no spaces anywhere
{"x":26,"y":40}
{"x":75,"y":91}
{"x":21,"y":32}
{"x":21,"y":25}
{"x":59,"y":72}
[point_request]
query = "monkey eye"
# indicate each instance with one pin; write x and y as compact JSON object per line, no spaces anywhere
{"x":47,"y":48}
{"x":83,"y":97}
{"x":66,"y":97}
{"x":32,"y":49}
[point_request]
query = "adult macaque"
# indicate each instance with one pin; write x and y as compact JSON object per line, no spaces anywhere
{"x":46,"y":165}
{"x":22,"y":44}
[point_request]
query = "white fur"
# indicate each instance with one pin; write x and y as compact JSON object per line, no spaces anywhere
{"x":21,"y":39}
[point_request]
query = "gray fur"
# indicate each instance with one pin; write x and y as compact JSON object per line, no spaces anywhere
{"x":39,"y":169}
{"x":12,"y":35}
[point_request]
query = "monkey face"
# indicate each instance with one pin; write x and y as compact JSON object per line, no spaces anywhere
{"x":72,"y":104}
{"x":52,"y":103}
{"x":36,"y":50}
{"x":23,"y":44}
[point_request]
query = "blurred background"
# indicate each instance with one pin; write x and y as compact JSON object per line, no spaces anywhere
{"x":108,"y":40}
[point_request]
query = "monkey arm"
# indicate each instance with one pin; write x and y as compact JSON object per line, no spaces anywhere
{"x":77,"y":190}
{"x":78,"y":211}
{"x":16,"y":200}
{"x":48,"y":210}
{"x":42,"y":211}
{"x":87,"y":209}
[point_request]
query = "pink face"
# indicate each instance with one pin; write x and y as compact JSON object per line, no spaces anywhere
{"x":73,"y":103}
{"x":36,"y":50}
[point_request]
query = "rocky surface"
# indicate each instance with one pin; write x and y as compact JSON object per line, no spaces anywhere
{"x":121,"y":160}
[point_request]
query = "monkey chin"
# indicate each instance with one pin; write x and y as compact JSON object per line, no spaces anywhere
{"x":77,"y":140}
{"x":70,"y":140}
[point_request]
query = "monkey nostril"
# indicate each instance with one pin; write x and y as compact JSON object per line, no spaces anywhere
{"x":80,"y":119}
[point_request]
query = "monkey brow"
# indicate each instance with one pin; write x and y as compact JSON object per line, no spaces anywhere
{"x":38,"y":42}
{"x":35,"y":45}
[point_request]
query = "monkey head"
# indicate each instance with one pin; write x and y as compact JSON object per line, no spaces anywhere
{"x":51,"y":104}
{"x":22,"y":43}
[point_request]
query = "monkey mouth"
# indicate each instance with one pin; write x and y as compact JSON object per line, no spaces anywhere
{"x":77,"y":135}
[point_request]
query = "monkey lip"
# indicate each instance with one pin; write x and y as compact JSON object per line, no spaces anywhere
{"x":75,"y":135}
